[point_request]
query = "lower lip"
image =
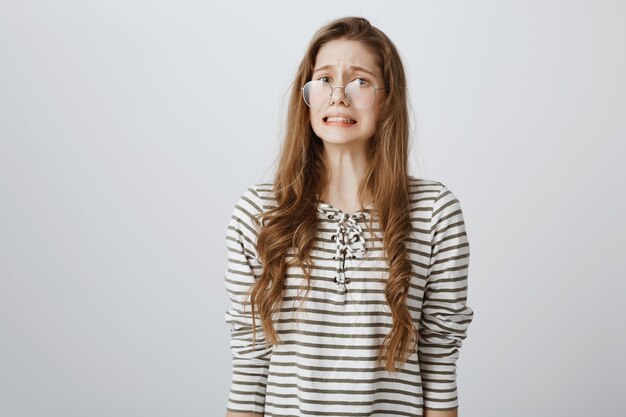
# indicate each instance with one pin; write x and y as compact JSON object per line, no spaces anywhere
{"x":341,"y":124}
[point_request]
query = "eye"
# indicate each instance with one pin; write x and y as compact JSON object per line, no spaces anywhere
{"x":362,"y":82}
{"x":324,"y":78}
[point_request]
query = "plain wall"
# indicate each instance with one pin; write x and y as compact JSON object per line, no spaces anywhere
{"x":128,"y":129}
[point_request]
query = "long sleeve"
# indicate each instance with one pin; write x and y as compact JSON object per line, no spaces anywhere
{"x":250,"y":362}
{"x":445,"y":313}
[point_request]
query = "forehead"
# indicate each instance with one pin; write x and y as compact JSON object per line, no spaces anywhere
{"x":342,"y":55}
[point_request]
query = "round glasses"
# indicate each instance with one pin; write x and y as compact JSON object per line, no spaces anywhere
{"x":360,"y":93}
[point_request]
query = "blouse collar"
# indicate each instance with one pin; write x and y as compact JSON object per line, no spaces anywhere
{"x":333,"y":213}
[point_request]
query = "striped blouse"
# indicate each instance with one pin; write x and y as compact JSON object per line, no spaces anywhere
{"x":325,"y":364}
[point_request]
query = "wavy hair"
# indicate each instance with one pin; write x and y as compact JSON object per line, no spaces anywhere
{"x":301,"y":174}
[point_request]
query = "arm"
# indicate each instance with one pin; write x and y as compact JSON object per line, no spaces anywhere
{"x":440,"y":413}
{"x":445,"y":314}
{"x":250,"y":362}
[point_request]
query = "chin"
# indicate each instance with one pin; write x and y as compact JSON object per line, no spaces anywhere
{"x":341,"y":140}
{"x":339,"y":137}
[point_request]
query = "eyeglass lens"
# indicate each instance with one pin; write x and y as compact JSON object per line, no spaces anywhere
{"x":317,"y":94}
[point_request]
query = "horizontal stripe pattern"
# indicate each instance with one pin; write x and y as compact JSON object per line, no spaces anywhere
{"x":325,"y":362}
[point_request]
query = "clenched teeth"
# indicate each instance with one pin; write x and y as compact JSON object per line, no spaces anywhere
{"x":340,"y":119}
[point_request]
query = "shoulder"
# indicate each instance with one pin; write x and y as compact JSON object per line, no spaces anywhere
{"x":433,"y":204}
{"x":430,"y":190}
{"x":244,"y":224}
{"x":254,"y":200}
{"x":425,"y":193}
{"x":262,"y":194}
{"x":424,"y":187}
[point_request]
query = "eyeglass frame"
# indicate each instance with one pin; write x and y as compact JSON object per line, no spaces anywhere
{"x":332,"y":90}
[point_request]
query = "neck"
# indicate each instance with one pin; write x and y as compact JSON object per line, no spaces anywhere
{"x":345,"y":171}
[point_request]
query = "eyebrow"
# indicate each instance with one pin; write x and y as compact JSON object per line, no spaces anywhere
{"x":354,"y":68}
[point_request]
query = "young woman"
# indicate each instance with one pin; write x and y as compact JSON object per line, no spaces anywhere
{"x":347,"y":276}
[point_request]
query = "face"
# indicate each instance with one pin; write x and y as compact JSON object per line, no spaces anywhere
{"x":339,"y":62}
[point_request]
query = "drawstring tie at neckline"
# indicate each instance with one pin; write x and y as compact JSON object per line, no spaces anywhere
{"x":348,"y":238}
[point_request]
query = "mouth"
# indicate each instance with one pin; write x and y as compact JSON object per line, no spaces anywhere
{"x":341,"y":121}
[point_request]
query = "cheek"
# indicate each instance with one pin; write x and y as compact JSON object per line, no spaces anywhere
{"x":315,"y":115}
{"x":316,"y":123}
{"x":375,"y":114}
{"x":372,"y":119}
{"x":314,"y":118}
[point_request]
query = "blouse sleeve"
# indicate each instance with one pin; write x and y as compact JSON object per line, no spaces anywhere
{"x":250,"y":362}
{"x":445,"y":313}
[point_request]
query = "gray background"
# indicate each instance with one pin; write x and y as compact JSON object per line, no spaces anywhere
{"x":128,"y":129}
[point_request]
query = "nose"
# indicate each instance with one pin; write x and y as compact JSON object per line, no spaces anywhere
{"x":340,"y":96}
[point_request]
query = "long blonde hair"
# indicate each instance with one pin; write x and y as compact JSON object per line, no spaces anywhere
{"x":301,"y":174}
